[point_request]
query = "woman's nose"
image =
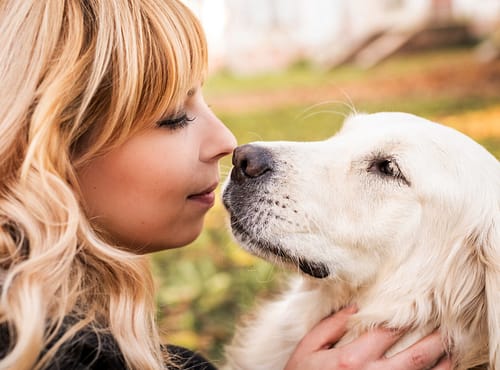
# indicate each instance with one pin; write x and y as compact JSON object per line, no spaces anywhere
{"x":220,"y":141}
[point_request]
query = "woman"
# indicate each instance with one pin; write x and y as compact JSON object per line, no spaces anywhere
{"x":108,"y":152}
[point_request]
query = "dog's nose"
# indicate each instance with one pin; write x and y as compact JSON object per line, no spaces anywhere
{"x":250,"y":161}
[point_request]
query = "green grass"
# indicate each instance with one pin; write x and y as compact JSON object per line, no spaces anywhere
{"x":306,"y":74}
{"x":492,"y":144}
{"x":301,"y":123}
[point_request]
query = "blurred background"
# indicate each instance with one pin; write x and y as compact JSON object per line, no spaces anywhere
{"x":292,"y":70}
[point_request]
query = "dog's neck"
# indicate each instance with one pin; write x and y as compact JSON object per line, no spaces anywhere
{"x":419,"y":306}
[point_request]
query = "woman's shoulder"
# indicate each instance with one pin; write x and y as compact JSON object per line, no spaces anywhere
{"x":89,"y":350}
{"x":86,"y":350}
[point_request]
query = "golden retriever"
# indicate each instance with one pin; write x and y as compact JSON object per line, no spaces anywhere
{"x":395,"y":213}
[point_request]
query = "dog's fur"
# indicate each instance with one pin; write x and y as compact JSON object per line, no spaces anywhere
{"x":394,"y":213}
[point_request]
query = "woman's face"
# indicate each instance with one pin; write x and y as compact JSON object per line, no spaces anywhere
{"x":152,"y":192}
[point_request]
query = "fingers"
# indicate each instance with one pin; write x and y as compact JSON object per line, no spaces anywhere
{"x":421,"y":355}
{"x":374,"y":343}
{"x":321,"y":337}
{"x":328,"y":331}
{"x":444,"y":364}
{"x":365,"y":352}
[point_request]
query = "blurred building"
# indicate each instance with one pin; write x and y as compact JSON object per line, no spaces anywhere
{"x":248,"y":36}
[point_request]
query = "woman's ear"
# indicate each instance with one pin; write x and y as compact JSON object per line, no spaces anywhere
{"x":490,"y":246}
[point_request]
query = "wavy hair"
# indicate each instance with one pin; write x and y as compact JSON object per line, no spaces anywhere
{"x":78,"y":77}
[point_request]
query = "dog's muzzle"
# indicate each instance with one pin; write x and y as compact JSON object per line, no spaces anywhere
{"x":255,"y":169}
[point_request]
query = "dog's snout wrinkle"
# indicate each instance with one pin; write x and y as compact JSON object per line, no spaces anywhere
{"x":250,"y":161}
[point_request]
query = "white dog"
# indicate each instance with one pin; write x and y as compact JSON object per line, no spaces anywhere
{"x":395,"y":213}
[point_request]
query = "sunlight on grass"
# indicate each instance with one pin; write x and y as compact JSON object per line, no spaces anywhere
{"x":480,"y":125}
{"x":306,"y":74}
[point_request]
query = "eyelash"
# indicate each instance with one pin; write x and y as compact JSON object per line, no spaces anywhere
{"x":176,"y":122}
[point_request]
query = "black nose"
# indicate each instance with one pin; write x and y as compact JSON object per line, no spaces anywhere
{"x":250,"y":161}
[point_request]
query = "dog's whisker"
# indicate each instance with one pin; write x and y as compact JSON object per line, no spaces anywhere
{"x":326,"y":102}
{"x":271,"y":273}
{"x":257,"y":136}
{"x":351,"y":105}
{"x":322,"y":104}
{"x":312,"y":114}
{"x":307,"y":219}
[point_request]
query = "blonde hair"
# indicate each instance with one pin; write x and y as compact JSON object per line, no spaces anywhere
{"x":78,"y":77}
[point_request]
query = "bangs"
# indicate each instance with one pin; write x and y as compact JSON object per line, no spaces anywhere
{"x":177,"y":59}
{"x":152,"y":53}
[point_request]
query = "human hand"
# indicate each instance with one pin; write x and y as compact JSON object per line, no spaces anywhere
{"x":366,"y":352}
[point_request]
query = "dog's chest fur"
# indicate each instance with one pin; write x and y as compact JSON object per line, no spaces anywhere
{"x":284,"y":322}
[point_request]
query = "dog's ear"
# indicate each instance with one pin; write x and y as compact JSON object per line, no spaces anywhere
{"x":490,"y":247}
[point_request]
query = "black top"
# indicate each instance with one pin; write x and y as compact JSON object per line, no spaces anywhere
{"x":84,"y":353}
{"x":188,"y":360}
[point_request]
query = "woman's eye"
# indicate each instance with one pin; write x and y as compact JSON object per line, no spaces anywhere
{"x":175,"y":122}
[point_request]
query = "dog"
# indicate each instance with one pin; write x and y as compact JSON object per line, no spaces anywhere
{"x":396,"y":214}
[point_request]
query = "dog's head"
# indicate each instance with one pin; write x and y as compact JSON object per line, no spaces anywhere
{"x":390,"y":194}
{"x":386,"y":184}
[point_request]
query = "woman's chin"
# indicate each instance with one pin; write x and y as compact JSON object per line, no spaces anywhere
{"x":178,"y":240}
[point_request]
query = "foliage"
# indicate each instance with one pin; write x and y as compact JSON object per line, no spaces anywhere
{"x":205,"y":287}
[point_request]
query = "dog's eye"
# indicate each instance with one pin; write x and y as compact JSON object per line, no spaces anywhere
{"x":387,"y":167}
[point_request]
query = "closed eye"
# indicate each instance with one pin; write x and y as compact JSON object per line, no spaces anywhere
{"x":174,"y":123}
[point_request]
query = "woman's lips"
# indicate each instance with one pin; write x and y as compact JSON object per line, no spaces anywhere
{"x":205,"y":197}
